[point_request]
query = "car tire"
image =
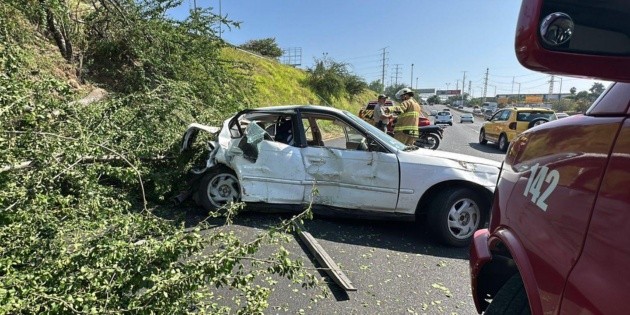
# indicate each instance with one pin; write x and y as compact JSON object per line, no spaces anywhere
{"x":450,"y":124}
{"x":511,"y":299}
{"x":503,"y":143}
{"x":432,"y":142}
{"x":482,"y":137}
{"x":537,"y":121}
{"x":455,"y":214}
{"x":218,"y":187}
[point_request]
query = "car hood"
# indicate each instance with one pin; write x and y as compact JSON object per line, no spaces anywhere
{"x":450,"y":159}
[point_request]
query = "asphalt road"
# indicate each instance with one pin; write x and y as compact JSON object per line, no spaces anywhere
{"x":464,"y":137}
{"x":396,"y":267}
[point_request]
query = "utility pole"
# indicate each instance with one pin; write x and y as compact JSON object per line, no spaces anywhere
{"x":512,"y":92}
{"x":447,"y":85}
{"x":220,"y":22}
{"x":383,"y":72}
{"x":416,"y":82}
{"x":456,"y":84}
{"x":470,"y":88}
{"x":411,"y":77}
{"x":463,"y":87}
{"x":560,"y":94}
{"x":485,"y":85}
{"x":397,"y":74}
{"x":519,"y":93}
{"x":550,"y":87}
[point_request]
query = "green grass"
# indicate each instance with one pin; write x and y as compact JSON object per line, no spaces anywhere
{"x":278,"y":84}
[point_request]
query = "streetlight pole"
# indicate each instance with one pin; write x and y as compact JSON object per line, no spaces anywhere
{"x":518,"y":100}
{"x":416,"y":82}
{"x":411,"y":77}
{"x":560,"y":93}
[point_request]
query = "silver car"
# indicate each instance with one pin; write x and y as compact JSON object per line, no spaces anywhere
{"x":444,"y":118}
{"x":289,"y":156}
{"x":466,"y":118}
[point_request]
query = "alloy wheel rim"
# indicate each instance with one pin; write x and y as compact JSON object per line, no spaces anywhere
{"x":223,"y":189}
{"x":464,"y":218}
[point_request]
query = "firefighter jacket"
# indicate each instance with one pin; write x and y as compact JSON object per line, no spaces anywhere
{"x":408,"y":121}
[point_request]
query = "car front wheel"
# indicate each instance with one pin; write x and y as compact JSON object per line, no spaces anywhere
{"x":455,"y":214}
{"x":218,"y":188}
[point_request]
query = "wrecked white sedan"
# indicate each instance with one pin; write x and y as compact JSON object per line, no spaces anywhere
{"x":277,"y":156}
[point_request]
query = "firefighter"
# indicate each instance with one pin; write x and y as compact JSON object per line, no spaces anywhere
{"x":406,"y":129}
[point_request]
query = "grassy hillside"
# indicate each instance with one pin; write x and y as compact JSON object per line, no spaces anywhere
{"x":279,"y":84}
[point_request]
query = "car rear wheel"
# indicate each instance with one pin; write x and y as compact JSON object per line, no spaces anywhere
{"x":218,"y":188}
{"x":503,"y":143}
{"x":455,"y":214}
{"x":482,"y":137}
{"x":430,"y":141}
{"x":511,"y":299}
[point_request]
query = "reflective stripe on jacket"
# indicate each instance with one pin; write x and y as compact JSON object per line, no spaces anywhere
{"x":408,"y":120}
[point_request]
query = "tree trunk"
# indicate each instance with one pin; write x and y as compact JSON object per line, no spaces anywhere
{"x":60,"y":37}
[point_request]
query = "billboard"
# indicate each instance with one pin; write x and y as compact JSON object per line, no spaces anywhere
{"x":425,"y":91}
{"x":449,"y":92}
{"x":532,"y":99}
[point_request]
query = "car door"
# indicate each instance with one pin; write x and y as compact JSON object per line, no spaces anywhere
{"x":269,"y":164}
{"x":497,"y":124}
{"x":342,"y":169}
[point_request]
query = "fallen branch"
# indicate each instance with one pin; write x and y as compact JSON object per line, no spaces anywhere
{"x":116,"y":153}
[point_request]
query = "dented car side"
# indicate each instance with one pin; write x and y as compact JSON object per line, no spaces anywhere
{"x":289,"y":155}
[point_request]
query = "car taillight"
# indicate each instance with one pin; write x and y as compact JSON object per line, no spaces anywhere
{"x":512,"y":125}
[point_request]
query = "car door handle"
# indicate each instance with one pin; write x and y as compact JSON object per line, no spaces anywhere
{"x":317,"y":161}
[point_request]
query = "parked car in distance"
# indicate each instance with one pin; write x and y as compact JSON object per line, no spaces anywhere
{"x":278,"y":156}
{"x":444,"y":117}
{"x":557,"y":241}
{"x":562,"y":115}
{"x":460,"y":107}
{"x":507,"y":123}
{"x":476,"y":110}
{"x":466,"y":118}
{"x":433,"y":112}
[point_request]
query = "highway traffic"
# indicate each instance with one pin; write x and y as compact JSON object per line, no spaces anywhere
{"x":464,"y":137}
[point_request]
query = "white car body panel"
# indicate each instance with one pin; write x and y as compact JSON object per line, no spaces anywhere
{"x":353,"y":179}
{"x":421,"y":169}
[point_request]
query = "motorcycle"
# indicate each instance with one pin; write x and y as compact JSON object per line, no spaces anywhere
{"x":429,"y":136}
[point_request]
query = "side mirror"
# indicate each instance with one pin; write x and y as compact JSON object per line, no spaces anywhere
{"x":586,"y":38}
{"x":374,"y":146}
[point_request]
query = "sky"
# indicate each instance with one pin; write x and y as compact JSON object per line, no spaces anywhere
{"x":443,"y":39}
